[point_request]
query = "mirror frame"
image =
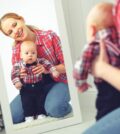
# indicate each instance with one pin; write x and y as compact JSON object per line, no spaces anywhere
{"x":35,"y":126}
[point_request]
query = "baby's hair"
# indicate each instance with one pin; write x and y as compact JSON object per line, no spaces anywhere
{"x":100,"y":16}
{"x":28,"y":42}
{"x":103,"y":10}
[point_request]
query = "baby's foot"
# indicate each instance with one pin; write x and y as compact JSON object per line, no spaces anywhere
{"x":29,"y":119}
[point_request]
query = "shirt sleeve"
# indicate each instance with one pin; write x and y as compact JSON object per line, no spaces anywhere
{"x":116,"y":16}
{"x":15,"y":53}
{"x":45,"y":63}
{"x":57,"y":47}
{"x":83,"y":64}
{"x":15,"y":74}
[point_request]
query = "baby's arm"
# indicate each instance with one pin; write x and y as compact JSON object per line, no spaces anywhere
{"x":49,"y":67}
{"x":82,"y":68}
{"x":15,"y":76}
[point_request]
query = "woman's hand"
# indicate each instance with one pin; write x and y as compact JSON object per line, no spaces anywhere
{"x":18,"y":85}
{"x":39,"y":69}
{"x":23,"y":73}
{"x":100,"y":61}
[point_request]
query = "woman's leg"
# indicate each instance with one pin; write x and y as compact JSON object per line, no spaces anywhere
{"x":109,"y":124}
{"x":57,"y":101}
{"x":17,"y":110}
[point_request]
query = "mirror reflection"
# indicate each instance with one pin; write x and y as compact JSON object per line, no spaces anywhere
{"x":36,"y":78}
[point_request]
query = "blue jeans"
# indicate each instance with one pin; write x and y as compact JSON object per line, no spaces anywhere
{"x":56,"y":103}
{"x":109,"y":124}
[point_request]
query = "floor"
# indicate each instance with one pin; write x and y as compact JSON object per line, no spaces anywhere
{"x":88,"y":113}
{"x":75,"y":129}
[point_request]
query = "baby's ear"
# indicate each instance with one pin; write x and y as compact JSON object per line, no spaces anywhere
{"x":92,"y":31}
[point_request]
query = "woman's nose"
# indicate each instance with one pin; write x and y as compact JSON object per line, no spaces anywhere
{"x":16,"y":33}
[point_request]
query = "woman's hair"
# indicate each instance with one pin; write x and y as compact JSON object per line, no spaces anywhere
{"x":15,"y":16}
{"x":9,"y":15}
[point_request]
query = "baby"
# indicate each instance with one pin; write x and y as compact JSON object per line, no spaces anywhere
{"x":30,"y":86}
{"x":100,"y":25}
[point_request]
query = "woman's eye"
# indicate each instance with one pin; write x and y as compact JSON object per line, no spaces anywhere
{"x":26,"y":53}
{"x":14,"y":24}
{"x":10,"y":32}
{"x":33,"y":52}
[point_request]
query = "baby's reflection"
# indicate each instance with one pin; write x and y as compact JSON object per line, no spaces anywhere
{"x":32,"y":85}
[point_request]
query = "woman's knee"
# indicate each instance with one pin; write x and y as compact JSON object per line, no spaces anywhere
{"x":58,"y":110}
{"x":17,"y":110}
{"x":57,"y":101}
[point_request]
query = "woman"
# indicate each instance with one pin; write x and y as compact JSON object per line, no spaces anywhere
{"x":110,"y":124}
{"x":48,"y":46}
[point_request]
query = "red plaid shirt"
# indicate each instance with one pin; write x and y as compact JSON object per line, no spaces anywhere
{"x":48,"y":47}
{"x":30,"y":78}
{"x":83,"y":65}
{"x":116,"y":13}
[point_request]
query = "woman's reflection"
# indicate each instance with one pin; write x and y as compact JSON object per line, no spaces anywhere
{"x":56,"y":101}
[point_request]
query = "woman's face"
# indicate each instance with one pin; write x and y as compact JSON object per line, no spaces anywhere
{"x":15,"y":28}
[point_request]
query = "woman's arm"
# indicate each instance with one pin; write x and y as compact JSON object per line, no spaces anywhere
{"x":111,"y":75}
{"x":102,"y":69}
{"x":60,"y":68}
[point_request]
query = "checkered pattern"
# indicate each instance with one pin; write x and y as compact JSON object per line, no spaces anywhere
{"x":116,"y":13}
{"x":48,"y":47}
{"x":30,"y":78}
{"x":1,"y":120}
{"x":83,"y":65}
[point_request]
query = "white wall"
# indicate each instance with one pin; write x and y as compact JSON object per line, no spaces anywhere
{"x":40,"y":13}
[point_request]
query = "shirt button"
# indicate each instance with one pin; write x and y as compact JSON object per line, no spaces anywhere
{"x":32,"y":85}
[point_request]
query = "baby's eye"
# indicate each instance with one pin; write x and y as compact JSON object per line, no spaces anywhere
{"x":14,"y":24}
{"x":26,"y":53}
{"x":33,"y":52}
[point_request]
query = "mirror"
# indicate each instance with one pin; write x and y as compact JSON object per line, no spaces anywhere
{"x":43,"y":15}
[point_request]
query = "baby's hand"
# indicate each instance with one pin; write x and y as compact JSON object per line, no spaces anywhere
{"x":84,"y":87}
{"x":55,"y":74}
{"x":18,"y":85}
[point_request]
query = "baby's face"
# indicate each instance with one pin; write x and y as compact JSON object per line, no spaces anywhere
{"x":28,"y":53}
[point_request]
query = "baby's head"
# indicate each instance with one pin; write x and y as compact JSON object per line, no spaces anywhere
{"x":28,"y":52}
{"x":99,"y":17}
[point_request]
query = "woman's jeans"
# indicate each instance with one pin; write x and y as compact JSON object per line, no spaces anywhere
{"x":109,"y":124}
{"x":56,"y":102}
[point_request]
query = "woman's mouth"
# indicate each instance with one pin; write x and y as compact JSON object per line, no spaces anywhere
{"x":20,"y":33}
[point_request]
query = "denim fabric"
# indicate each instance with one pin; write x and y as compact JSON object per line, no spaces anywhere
{"x":109,"y":124}
{"x":56,"y":103}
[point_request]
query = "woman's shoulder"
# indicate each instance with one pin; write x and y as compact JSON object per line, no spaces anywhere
{"x":44,"y":32}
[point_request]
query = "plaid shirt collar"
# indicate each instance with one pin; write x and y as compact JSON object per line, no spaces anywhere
{"x":111,"y":38}
{"x":104,"y":33}
{"x":38,"y":33}
{"x":28,"y":65}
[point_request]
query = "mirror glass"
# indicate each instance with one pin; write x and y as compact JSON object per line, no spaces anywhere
{"x":46,"y":15}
